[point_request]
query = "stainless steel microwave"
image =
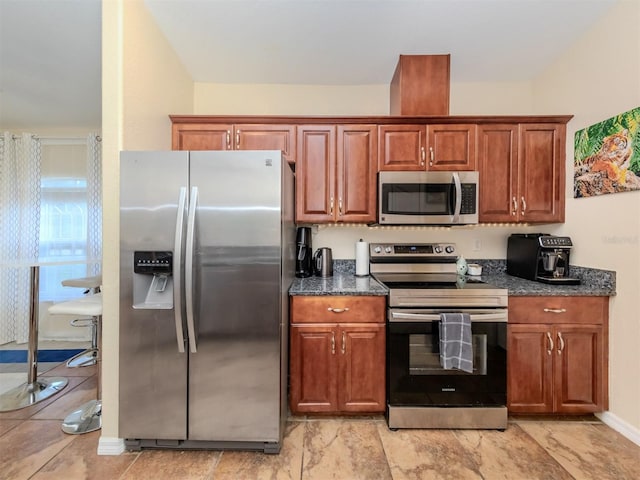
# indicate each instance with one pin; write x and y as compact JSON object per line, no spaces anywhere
{"x":427,"y":198}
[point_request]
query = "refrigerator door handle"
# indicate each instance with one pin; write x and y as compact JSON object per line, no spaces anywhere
{"x":188,"y":269}
{"x":177,"y":262}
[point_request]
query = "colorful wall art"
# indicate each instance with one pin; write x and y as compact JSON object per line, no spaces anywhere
{"x":607,"y":156}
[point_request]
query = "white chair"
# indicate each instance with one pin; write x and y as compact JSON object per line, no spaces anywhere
{"x":91,"y":285}
{"x":88,"y":417}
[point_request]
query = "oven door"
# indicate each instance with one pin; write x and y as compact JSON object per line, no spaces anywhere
{"x":415,"y":376}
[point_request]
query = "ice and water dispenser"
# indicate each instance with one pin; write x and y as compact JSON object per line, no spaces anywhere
{"x":153,"y":280}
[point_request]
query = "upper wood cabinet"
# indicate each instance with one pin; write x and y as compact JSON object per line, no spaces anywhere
{"x":541,"y":166}
{"x":451,"y":147}
{"x":427,"y":147}
{"x":498,"y":170}
{"x":522,"y":171}
{"x":336,"y":174}
{"x":194,"y":136}
{"x":420,"y":85}
{"x":520,"y":159}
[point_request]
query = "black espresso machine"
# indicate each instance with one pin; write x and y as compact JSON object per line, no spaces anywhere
{"x":540,"y":257}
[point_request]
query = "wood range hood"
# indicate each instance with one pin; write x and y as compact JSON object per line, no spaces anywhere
{"x":420,"y":85}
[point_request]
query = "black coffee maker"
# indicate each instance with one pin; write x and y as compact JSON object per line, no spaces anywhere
{"x":304,"y":260}
{"x":540,"y":257}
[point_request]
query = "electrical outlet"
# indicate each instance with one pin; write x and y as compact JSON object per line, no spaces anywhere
{"x":477,"y":245}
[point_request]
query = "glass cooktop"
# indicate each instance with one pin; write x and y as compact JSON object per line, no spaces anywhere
{"x":430,"y":281}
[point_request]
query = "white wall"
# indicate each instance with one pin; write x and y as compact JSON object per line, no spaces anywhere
{"x":594,"y":80}
{"x":225,"y":99}
{"x":465,"y":99}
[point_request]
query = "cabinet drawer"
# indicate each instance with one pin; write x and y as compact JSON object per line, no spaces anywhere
{"x":337,"y":309}
{"x":581,"y":310}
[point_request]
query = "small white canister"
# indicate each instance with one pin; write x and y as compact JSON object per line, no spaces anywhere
{"x":474,"y":269}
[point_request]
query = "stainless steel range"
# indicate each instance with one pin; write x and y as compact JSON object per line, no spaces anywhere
{"x":423,"y":286}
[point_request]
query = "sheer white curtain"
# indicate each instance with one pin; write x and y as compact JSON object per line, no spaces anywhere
{"x":20,"y":158}
{"x":94,"y":201}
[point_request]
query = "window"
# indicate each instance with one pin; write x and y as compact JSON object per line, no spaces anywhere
{"x":63,"y":218}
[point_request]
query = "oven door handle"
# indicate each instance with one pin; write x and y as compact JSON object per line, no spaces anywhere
{"x":420,"y":317}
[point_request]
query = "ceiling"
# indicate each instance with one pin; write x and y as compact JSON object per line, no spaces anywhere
{"x":50,"y":49}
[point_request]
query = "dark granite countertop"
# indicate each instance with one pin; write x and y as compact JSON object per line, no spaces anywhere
{"x":338,"y":284}
{"x":343,"y":282}
{"x":595,"y":282}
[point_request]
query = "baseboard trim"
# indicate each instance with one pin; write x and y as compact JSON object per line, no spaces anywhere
{"x":110,"y":446}
{"x":620,"y":426}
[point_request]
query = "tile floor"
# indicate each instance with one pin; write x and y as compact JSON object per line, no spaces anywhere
{"x":32,"y":446}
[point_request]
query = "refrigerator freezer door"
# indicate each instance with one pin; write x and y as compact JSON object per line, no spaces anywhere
{"x":153,"y":373}
{"x":234,"y":378}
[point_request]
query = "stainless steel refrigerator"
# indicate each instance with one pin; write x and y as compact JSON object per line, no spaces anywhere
{"x":207,"y":254}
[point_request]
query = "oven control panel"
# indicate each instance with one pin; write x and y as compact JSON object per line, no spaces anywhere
{"x":407,"y":251}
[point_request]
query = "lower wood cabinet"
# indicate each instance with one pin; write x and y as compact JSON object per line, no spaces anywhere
{"x":557,"y":354}
{"x":337,"y":354}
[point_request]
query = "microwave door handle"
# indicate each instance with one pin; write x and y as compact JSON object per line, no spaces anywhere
{"x":475,"y":317}
{"x":458,"y":199}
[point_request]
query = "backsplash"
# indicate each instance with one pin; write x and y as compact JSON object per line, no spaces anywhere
{"x":478,"y":241}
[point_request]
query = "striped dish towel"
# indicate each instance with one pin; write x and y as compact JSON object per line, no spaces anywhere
{"x":456,"y":350}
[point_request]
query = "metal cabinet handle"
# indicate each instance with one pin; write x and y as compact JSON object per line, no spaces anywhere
{"x":550,"y":343}
{"x":515,"y":206}
{"x":561,"y":340}
{"x":228,"y":139}
{"x":331,"y":206}
{"x":524,"y":205}
{"x":431,"y":156}
{"x":344,"y":342}
{"x":423,"y":156}
{"x":338,"y":310}
{"x":333,"y":343}
{"x":237,"y":139}
{"x":554,"y":310}
{"x":340,"y":205}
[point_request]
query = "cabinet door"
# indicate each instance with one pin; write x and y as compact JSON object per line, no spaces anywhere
{"x":530,"y":352}
{"x":578,"y":369}
{"x":451,"y":147}
{"x":401,"y":147}
{"x":541,"y":172}
{"x":315,"y":174}
{"x":362,"y":368}
{"x":266,"y":137}
{"x":497,"y":166}
{"x":356,"y":173}
{"x":313,"y":368}
{"x":195,"y":136}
